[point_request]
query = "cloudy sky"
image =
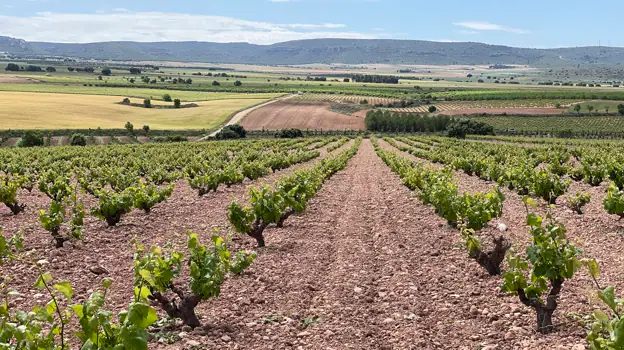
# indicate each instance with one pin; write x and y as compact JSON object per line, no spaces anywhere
{"x":528,"y":23}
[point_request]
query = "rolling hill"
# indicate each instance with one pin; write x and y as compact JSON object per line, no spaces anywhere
{"x":348,"y":51}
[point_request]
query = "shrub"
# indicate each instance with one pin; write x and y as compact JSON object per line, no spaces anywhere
{"x":364,"y":102}
{"x":177,"y":103}
{"x":432,"y":109}
{"x":238,"y":83}
{"x":31,"y":139}
{"x":129,"y":127}
{"x":289,"y":133}
{"x":106,"y":72}
{"x":147,"y":103}
{"x":50,"y":69}
{"x":459,"y":129}
{"x":231,"y":132}
{"x":146,"y":129}
{"x":126,"y":101}
{"x":12,"y":67}
{"x":216,"y":83}
{"x":78,"y":140}
{"x":166,"y":98}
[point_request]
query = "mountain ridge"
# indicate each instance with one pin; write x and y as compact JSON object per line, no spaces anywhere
{"x":347,"y":51}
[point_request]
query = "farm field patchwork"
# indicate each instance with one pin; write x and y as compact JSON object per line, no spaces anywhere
{"x":547,"y":106}
{"x":556,"y":123}
{"x":156,"y":94}
{"x":344,"y":98}
{"x":71,"y":111}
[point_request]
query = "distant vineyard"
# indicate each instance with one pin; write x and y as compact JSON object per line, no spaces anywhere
{"x":556,"y":123}
{"x":479,"y":95}
{"x":345,"y":98}
{"x":453,"y":106}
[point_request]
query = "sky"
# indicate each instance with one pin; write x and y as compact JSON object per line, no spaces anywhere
{"x":527,"y":23}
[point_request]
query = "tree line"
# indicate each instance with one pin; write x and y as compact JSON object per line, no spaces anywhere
{"x":377,"y":79}
{"x":386,"y":121}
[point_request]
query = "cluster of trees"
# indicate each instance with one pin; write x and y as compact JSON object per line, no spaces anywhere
{"x":462,"y":127}
{"x":316,"y":79}
{"x":85,"y":69}
{"x":231,"y":132}
{"x":12,"y":67}
{"x":379,"y":79}
{"x":386,"y":121}
{"x":289,"y":133}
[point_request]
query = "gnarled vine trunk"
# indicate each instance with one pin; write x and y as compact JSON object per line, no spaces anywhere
{"x":285,"y":216}
{"x":15,"y":207}
{"x":544,"y":312}
{"x":492,"y":260}
{"x":184,"y":311}
{"x":257,"y":233}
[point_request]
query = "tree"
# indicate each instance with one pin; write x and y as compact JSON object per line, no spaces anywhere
{"x":216,"y":83}
{"x":31,"y":139}
{"x":607,"y":109}
{"x":577,"y":108}
{"x":71,"y":69}
{"x":12,"y":67}
{"x":166,"y":98}
{"x":346,"y":80}
{"x":106,"y":72}
{"x":459,"y":129}
{"x":189,"y":81}
{"x":469,"y":75}
{"x":50,"y":69}
{"x":432,"y":109}
{"x":89,"y":69}
{"x":147,"y":103}
{"x":78,"y":140}
{"x":177,"y":103}
{"x":146,"y":129}
{"x":129,"y":127}
{"x":590,"y":108}
{"x":238,"y":83}
{"x":132,"y":81}
{"x":135,"y":71}
{"x":620,"y":108}
{"x":99,"y":77}
{"x":231,"y":132}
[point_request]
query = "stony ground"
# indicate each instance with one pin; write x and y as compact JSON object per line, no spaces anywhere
{"x":367,"y":266}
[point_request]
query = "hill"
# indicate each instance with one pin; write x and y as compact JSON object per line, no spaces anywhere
{"x":349,"y":51}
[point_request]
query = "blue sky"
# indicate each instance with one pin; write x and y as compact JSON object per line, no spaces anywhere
{"x":528,"y":23}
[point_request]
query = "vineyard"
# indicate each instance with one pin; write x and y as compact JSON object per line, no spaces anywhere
{"x":549,"y":124}
{"x":485,"y":104}
{"x":313,"y":242}
{"x":345,"y":98}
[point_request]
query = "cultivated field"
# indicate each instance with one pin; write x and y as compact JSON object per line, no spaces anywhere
{"x":372,"y":260}
{"x":345,"y":98}
{"x":70,"y":111}
{"x":301,"y":115}
{"x":535,"y":106}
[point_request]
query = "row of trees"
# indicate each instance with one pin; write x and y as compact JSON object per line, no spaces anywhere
{"x":12,"y":67}
{"x":386,"y":121}
{"x":379,"y":79}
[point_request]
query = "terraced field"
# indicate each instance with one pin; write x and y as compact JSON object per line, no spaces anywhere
{"x":345,"y":98}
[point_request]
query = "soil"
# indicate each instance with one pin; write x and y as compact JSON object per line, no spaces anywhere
{"x":510,"y":111}
{"x":17,"y":80}
{"x":366,"y":266}
{"x":300,"y":115}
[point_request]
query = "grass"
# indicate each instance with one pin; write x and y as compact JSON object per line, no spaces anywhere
{"x":599,"y":106}
{"x":26,"y":110}
{"x":133,"y":92}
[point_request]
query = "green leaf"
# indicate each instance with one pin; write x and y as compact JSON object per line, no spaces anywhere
{"x":107,"y":282}
{"x":608,"y":296}
{"x":42,"y":280}
{"x":133,"y":338}
{"x":65,"y":288}
{"x":601,"y":316}
{"x":142,"y":315}
{"x":148,"y":277}
{"x":143,"y":294}
{"x":592,"y":266}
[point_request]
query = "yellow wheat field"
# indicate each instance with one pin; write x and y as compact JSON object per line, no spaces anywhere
{"x":28,"y":110}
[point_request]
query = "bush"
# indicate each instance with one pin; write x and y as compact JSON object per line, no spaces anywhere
{"x":106,"y":72}
{"x":289,"y":133}
{"x":238,"y":83}
{"x":216,"y":83}
{"x":231,"y":132}
{"x":170,"y":138}
{"x":432,"y":109}
{"x":459,"y":129}
{"x":364,"y":102}
{"x":12,"y":67}
{"x":177,"y":103}
{"x":126,"y":101}
{"x":78,"y":140}
{"x":31,"y":139}
{"x":50,"y":69}
{"x":166,"y":98}
{"x":147,"y":103}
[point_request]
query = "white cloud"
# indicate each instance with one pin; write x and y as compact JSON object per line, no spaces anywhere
{"x":158,"y":26}
{"x":490,"y":26}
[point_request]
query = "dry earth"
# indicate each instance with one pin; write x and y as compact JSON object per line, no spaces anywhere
{"x":367,"y":266}
{"x":301,"y":115}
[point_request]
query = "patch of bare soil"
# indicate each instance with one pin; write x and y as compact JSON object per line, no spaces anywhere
{"x":510,"y":111}
{"x":300,"y":115}
{"x":17,"y":80}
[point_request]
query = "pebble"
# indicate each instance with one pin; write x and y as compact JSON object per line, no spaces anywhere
{"x":473,"y":310}
{"x":329,"y":333}
{"x":388,"y":320}
{"x":226,"y":338}
{"x":357,"y":290}
{"x":303,"y":334}
{"x":502,"y":227}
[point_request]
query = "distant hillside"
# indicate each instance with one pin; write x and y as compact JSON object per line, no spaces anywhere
{"x":349,"y":51}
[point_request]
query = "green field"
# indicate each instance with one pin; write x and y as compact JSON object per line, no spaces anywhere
{"x":556,"y":123}
{"x":133,"y":92}
{"x":27,"y":110}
